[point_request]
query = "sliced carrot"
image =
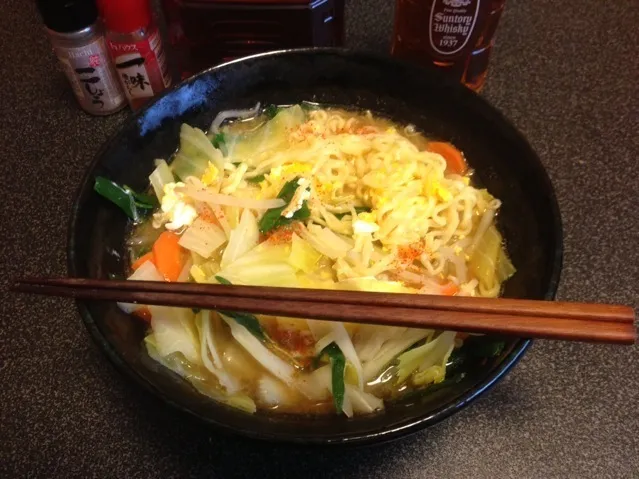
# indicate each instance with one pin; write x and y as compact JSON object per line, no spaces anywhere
{"x":169,"y":257}
{"x":142,"y":259}
{"x":455,"y":162}
{"x":450,"y":289}
{"x":144,"y":313}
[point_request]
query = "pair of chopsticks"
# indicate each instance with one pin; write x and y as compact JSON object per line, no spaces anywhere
{"x":503,"y":316}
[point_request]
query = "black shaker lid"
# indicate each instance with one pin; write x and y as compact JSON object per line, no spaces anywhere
{"x":67,"y":16}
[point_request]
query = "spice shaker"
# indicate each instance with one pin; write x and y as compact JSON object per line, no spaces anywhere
{"x":135,"y":45}
{"x":78,"y":42}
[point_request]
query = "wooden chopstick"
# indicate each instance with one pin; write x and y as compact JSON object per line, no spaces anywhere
{"x":525,"y":318}
{"x":557,"y":309}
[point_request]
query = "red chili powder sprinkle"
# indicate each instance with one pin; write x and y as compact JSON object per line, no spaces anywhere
{"x":409,"y":253}
{"x":281,"y":235}
{"x":207,"y":215}
{"x":291,"y":339}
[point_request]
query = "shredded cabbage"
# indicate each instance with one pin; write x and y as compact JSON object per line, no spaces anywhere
{"x":202,"y":238}
{"x":211,"y":357}
{"x":483,"y":262}
{"x":146,"y":272}
{"x":325,"y":241}
{"x":505,"y":268}
{"x":315,"y":385}
{"x":391,"y":349}
{"x":227,"y":200}
{"x":363,"y":402}
{"x":243,"y":239}
{"x":195,"y":153}
{"x":343,"y":341}
{"x":205,"y":271}
{"x":303,"y":256}
{"x":369,"y":339}
{"x":179,"y":365}
{"x":265,"y":265}
{"x":174,"y":331}
{"x":272,"y":392}
{"x":273,"y":134}
{"x":425,"y":356}
{"x":272,"y":363}
{"x":162,"y":175}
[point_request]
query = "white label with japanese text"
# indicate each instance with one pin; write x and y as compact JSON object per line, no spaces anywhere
{"x":91,"y":76}
{"x":133,"y":75}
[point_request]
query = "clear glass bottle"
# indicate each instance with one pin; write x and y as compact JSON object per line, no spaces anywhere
{"x":456,"y":36}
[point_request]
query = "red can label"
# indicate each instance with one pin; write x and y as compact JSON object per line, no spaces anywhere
{"x":141,"y":67}
{"x":451,"y":25}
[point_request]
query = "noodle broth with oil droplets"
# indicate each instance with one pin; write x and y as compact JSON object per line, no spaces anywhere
{"x":313,"y":197}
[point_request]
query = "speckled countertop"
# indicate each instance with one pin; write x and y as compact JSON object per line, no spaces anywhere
{"x":564,"y":72}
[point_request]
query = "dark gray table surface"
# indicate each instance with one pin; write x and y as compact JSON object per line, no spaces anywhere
{"x":564,"y":72}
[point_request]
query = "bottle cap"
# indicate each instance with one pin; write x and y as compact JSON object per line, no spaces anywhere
{"x":125,"y":16}
{"x":66,"y":16}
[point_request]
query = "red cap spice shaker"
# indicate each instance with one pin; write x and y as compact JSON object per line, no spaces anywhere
{"x":135,"y":46}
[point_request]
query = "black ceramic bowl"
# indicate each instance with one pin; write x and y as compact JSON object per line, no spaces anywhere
{"x":503,"y":160}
